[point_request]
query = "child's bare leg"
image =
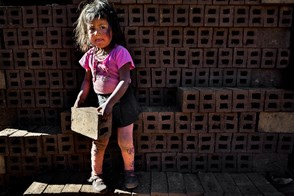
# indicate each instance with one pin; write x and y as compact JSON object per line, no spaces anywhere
{"x":125,"y":142}
{"x":97,"y":155}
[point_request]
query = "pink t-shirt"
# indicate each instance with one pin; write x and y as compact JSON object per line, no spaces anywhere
{"x":105,"y":74}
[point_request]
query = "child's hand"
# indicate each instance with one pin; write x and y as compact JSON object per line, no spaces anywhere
{"x":106,"y":111}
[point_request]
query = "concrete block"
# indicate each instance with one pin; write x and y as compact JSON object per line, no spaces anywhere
{"x":88,"y":122}
{"x":280,"y":122}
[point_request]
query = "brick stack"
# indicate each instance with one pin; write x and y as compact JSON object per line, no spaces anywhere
{"x":205,"y":72}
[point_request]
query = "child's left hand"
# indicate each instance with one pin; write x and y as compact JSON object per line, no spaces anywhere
{"x":106,"y":111}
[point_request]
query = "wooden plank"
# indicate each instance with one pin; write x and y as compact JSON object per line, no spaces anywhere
{"x":262,"y":184}
{"x":176,"y":186}
{"x":159,"y":184}
{"x":144,"y":184}
{"x":36,"y":188}
{"x":228,"y":185}
{"x":245,"y":185}
{"x":7,"y":132}
{"x":74,"y":184}
{"x":87,"y":189}
{"x":53,"y":189}
{"x":193,"y":185}
{"x":210,"y":184}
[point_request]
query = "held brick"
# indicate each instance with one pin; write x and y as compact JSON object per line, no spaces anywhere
{"x":88,"y":122}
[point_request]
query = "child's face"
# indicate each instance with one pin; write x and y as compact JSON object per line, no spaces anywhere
{"x":100,"y":33}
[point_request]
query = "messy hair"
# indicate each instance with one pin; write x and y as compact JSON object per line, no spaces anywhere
{"x":97,"y":9}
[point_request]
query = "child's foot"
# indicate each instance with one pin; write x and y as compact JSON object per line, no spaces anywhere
{"x":131,"y":180}
{"x":98,"y":184}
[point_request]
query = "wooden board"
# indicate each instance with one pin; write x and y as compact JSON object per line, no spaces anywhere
{"x":193,"y":185}
{"x":228,"y":185}
{"x":144,"y":184}
{"x":159,"y":185}
{"x":210,"y":184}
{"x":245,"y":185}
{"x":176,"y":186}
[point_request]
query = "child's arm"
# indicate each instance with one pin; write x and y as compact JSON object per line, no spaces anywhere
{"x":119,"y":91}
{"x":85,"y":89}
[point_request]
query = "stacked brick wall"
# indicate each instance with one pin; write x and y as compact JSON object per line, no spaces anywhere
{"x":205,"y":71}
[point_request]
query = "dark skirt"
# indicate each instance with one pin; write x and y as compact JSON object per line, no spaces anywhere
{"x":126,"y":111}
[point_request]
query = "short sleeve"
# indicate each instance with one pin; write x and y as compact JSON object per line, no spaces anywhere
{"x":84,"y":61}
{"x":123,"y":57}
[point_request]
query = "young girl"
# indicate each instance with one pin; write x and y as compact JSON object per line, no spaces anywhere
{"x":107,"y":65}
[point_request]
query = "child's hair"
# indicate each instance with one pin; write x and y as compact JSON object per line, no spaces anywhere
{"x":97,"y":9}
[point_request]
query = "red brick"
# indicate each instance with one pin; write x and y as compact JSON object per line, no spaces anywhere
{"x":29,"y":16}
{"x":226,"y":16}
{"x":136,"y":15}
{"x":166,"y":15}
{"x":181,"y":15}
{"x":196,"y":15}
{"x":182,"y":122}
{"x":151,"y":15}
